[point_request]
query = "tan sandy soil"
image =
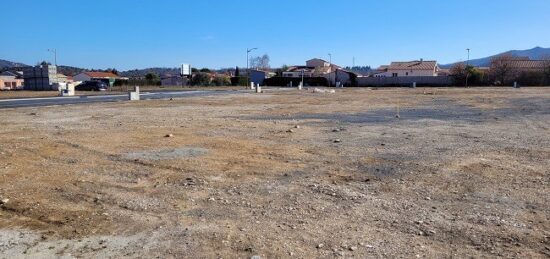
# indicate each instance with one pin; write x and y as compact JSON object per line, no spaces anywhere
{"x":435,"y":173}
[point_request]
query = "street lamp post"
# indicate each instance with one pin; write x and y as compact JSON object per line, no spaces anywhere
{"x":247,"y":69}
{"x":54,"y":51}
{"x":467,"y":64}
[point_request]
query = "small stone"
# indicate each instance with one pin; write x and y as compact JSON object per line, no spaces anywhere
{"x":336,"y":130}
{"x":397,"y":116}
{"x":290,"y":131}
{"x":297,"y":126}
{"x":428,"y":198}
{"x":320,"y":245}
{"x":4,"y":201}
{"x":352,"y":248}
{"x":256,"y":257}
{"x":169,"y":135}
{"x":337,"y":140}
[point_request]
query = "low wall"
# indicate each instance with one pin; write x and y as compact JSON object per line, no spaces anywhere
{"x":405,"y":81}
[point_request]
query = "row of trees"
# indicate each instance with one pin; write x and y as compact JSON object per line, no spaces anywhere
{"x":202,"y":77}
{"x":502,"y":71}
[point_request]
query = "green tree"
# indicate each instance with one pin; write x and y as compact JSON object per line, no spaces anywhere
{"x":237,"y":72}
{"x":151,"y":77}
{"x":221,"y":81}
{"x":205,"y":70}
{"x":201,"y":79}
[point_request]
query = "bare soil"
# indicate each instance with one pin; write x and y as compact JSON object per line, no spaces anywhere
{"x":434,"y":173}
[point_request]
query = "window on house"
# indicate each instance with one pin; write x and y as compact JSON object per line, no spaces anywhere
{"x":406,"y":73}
{"x":394,"y":75}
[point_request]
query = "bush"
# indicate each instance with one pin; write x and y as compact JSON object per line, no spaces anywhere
{"x":201,"y":79}
{"x":239,"y":81}
{"x":221,"y":81}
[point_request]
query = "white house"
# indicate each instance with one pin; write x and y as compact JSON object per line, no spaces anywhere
{"x":410,"y":68}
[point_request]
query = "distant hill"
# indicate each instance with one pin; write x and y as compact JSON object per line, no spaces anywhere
{"x":534,"y":53}
{"x":8,"y":64}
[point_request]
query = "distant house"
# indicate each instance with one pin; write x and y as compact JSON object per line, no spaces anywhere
{"x":10,"y":83}
{"x":410,"y":68}
{"x":90,"y":76}
{"x":296,"y":71}
{"x":343,"y":77}
{"x":322,"y":66}
{"x":314,"y":68}
{"x":527,"y":65}
{"x":61,"y":78}
{"x":16,"y":74}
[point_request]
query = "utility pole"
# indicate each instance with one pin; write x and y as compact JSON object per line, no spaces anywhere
{"x":247,"y":68}
{"x":330,"y":70}
{"x":467,"y":65}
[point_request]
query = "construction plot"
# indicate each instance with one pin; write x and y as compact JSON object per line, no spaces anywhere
{"x":357,"y":173}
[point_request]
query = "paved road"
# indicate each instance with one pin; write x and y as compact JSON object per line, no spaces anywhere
{"x":46,"y":101}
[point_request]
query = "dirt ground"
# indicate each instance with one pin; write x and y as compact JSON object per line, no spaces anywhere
{"x":435,"y":173}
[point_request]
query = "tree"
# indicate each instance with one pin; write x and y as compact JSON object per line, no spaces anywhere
{"x":502,"y":69}
{"x":151,"y":77}
{"x":237,"y":72}
{"x":221,"y":81}
{"x":201,"y":79}
{"x":260,"y":62}
{"x":44,"y":63}
{"x":460,"y":71}
{"x":205,"y":70}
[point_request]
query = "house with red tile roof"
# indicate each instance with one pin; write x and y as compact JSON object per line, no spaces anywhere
{"x":411,"y":68}
{"x":90,"y":76}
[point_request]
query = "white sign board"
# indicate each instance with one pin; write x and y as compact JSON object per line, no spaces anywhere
{"x":185,"y":70}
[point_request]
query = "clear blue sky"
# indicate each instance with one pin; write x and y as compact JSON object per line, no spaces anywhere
{"x":128,"y":34}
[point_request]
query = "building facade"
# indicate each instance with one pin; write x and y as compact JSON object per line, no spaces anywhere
{"x":40,"y":78}
{"x":409,"y":68}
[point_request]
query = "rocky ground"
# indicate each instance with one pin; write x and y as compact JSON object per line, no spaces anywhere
{"x":434,"y":173}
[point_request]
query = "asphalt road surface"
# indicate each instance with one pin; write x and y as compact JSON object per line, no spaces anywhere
{"x":47,"y":101}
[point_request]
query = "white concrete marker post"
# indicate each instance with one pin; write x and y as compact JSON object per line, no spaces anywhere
{"x":134,"y":96}
{"x":258,"y":88}
{"x":251,"y":85}
{"x":300,"y":86}
{"x":414,"y":85}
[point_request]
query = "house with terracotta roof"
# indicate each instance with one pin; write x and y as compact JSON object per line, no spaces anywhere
{"x":528,"y":65}
{"x":411,"y":68}
{"x":95,"y":76}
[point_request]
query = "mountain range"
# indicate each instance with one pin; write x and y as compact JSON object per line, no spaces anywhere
{"x":534,"y":54}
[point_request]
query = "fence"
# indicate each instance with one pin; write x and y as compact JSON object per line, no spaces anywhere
{"x":405,"y":81}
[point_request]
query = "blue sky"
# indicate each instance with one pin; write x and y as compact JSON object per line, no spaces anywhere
{"x":128,"y":34}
